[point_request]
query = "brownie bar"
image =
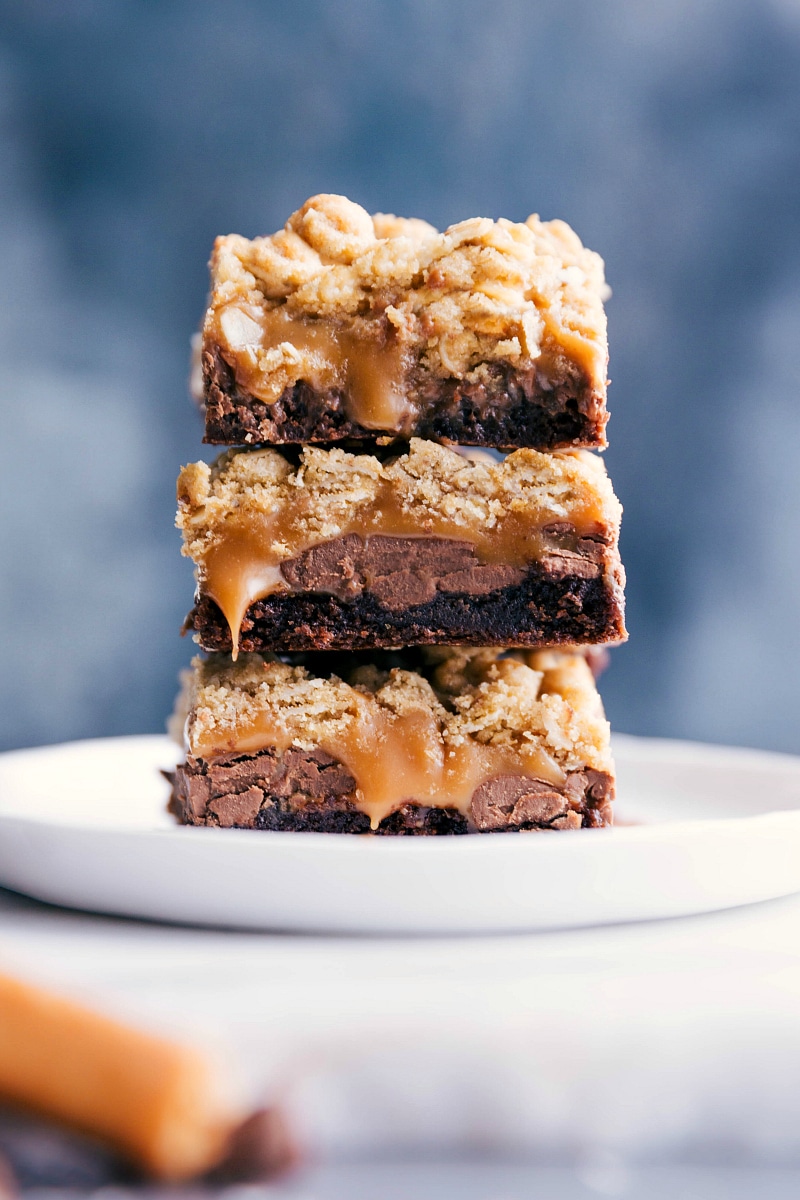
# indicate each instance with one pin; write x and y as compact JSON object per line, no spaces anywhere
{"x":336,"y":550}
{"x":310,"y":792}
{"x":420,"y":742}
{"x":570,"y":598}
{"x":508,"y":408}
{"x":343,"y":326}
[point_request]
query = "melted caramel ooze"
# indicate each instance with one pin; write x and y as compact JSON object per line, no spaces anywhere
{"x":369,"y":373}
{"x":244,"y":564}
{"x":395,"y":759}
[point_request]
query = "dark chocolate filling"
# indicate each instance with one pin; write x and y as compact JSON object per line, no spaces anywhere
{"x":380,"y":592}
{"x":398,"y":571}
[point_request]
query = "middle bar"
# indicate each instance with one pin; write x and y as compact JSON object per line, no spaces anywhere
{"x":332,"y":550}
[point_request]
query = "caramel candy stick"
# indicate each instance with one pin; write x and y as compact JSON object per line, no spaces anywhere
{"x":156,"y":1101}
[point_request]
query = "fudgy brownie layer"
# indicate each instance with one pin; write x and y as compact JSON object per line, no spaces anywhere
{"x":515,"y":409}
{"x":564,"y":600}
{"x":308,"y":791}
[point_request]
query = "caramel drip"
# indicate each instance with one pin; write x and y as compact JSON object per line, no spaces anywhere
{"x":244,"y":563}
{"x":370,"y":373}
{"x":396,"y":758}
{"x":572,"y":344}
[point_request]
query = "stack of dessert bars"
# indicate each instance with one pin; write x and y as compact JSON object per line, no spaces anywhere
{"x":402,"y":566}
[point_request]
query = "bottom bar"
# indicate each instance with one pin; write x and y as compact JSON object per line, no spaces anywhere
{"x":436,"y":741}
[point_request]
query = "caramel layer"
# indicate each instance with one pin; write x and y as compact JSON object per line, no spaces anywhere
{"x":395,"y":758}
{"x":244,"y":563}
{"x":370,"y":373}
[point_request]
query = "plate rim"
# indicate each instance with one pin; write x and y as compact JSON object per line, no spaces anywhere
{"x":711,"y":857}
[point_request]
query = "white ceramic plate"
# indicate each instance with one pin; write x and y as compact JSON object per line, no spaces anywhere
{"x":85,"y":825}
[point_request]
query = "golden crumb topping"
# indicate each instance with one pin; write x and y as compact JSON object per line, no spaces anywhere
{"x":481,"y":292}
{"x":522,"y":701}
{"x":331,"y":491}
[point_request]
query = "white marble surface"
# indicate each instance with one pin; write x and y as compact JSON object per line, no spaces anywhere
{"x":471,"y":1180}
{"x":665,"y":1040}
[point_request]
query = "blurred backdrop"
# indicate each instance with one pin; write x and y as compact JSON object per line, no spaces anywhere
{"x":667,"y":134}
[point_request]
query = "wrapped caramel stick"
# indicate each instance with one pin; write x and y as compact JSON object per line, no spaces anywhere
{"x":155,"y":1101}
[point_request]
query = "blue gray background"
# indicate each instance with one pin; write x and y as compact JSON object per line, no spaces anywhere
{"x":667,"y":134}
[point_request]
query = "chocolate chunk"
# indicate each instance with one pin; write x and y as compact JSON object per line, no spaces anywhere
{"x":314,"y":774}
{"x":403,"y":590}
{"x":510,"y":800}
{"x":236,"y":809}
{"x":232,"y":792}
{"x":479,"y":579}
{"x":335,"y":567}
{"x":434,"y":556}
{"x":593,"y":793}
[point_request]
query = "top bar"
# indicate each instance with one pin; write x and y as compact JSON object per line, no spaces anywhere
{"x":348,"y":327}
